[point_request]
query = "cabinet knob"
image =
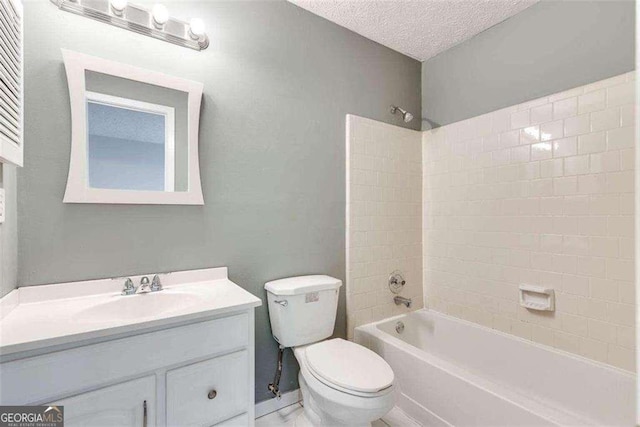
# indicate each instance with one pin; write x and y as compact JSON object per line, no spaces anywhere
{"x":212,"y":394}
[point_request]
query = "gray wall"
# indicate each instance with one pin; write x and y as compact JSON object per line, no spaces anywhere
{"x":278,"y":82}
{"x":547,"y":48}
{"x":9,"y":232}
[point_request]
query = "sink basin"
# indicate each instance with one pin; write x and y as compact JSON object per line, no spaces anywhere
{"x":132,"y":307}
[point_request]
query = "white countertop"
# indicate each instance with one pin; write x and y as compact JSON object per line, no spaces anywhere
{"x":36,"y":317}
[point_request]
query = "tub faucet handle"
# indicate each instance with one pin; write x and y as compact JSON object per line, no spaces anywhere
{"x":396,"y":282}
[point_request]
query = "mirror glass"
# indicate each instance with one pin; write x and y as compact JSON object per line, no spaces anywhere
{"x":136,"y":135}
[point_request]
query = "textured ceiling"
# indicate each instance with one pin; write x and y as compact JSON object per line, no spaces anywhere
{"x":418,"y":28}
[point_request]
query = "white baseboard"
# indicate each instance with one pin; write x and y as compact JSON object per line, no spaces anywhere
{"x":272,"y":405}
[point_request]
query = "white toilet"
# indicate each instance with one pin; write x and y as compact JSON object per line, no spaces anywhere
{"x":342,"y":383}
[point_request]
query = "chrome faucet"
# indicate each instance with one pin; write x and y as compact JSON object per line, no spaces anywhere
{"x":402,"y":300}
{"x":144,"y":287}
{"x":155,"y":284}
{"x":128,"y":288}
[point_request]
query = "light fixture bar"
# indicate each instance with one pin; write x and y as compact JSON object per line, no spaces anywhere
{"x":137,"y":19}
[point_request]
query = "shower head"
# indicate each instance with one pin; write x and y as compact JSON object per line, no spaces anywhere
{"x":406,"y":116}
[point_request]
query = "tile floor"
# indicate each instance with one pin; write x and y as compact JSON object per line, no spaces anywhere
{"x":286,"y":416}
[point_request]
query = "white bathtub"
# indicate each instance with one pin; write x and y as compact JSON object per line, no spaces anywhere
{"x":453,"y":372}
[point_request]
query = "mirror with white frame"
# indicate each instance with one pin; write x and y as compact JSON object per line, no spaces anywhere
{"x":134,"y":136}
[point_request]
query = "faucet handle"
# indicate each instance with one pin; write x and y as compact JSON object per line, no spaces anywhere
{"x":156,"y":285}
{"x":396,"y":282}
{"x":128,"y":288}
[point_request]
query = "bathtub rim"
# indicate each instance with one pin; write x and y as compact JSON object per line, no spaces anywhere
{"x":630,"y":374}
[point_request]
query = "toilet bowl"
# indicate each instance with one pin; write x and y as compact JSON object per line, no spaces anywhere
{"x":343,"y":384}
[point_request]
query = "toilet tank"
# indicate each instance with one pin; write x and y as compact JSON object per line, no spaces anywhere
{"x":302,"y":309}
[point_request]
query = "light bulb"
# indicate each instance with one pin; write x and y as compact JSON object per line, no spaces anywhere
{"x":160,"y":15}
{"x":197,"y":32}
{"x":118,"y":6}
{"x":196,"y":28}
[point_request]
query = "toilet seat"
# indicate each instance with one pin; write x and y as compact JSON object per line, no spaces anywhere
{"x":348,"y":367}
{"x":326,"y":403}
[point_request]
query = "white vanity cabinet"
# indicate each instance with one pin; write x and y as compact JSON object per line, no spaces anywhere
{"x":196,"y":374}
{"x":129,"y":404}
{"x":208,"y":392}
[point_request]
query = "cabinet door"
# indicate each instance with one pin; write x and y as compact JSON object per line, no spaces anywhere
{"x":239,"y":421}
{"x":208,"y":392}
{"x":128,"y":404}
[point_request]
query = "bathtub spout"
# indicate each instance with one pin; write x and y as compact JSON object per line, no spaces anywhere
{"x":402,"y":300}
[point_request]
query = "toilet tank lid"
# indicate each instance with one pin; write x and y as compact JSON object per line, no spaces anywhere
{"x":302,"y":285}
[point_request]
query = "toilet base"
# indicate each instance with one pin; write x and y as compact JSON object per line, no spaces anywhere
{"x":302,"y":420}
{"x":312,"y":416}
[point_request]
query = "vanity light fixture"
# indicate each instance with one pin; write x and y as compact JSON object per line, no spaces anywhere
{"x":155,"y":23}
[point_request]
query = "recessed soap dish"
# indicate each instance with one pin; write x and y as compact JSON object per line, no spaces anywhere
{"x":537,"y":298}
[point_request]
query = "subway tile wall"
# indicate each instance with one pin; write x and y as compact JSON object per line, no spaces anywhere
{"x":384,"y":211}
{"x":539,"y":193}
